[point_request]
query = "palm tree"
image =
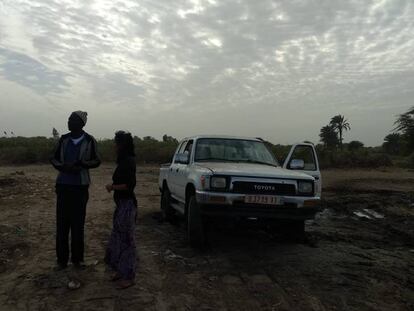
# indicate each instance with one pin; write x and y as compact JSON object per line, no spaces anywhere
{"x":405,"y":125}
{"x":405,"y":121}
{"x":328,"y":136}
{"x":340,"y":124}
{"x":393,"y":143}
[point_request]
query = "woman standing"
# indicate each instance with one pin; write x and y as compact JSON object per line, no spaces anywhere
{"x":121,"y":251}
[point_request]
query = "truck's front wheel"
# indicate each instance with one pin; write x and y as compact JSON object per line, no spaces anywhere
{"x":195,"y":228}
{"x":168,"y":212}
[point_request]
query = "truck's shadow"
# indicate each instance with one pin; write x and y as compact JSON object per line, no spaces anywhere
{"x":240,"y":236}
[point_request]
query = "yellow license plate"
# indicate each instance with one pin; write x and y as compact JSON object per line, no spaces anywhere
{"x":263,"y":199}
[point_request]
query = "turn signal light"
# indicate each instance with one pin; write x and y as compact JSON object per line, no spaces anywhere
{"x":311,"y":203}
{"x":217,"y":199}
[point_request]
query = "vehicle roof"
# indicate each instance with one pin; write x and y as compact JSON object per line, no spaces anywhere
{"x":239,"y":137}
{"x":223,"y":137}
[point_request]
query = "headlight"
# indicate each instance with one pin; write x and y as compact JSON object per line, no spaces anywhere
{"x":305,"y":187}
{"x":218,"y":182}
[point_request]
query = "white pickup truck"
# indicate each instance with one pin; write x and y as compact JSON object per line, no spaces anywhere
{"x":239,"y":177}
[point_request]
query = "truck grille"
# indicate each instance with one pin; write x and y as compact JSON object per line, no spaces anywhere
{"x":263,"y":188}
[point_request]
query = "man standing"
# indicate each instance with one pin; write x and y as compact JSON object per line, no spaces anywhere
{"x":75,"y":154}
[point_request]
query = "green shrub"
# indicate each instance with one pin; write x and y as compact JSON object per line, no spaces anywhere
{"x":22,"y":150}
{"x":363,"y":158}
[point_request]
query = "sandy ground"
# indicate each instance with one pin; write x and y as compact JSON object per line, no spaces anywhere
{"x":360,"y":254}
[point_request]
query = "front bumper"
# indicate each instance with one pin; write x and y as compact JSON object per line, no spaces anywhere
{"x":232,"y":205}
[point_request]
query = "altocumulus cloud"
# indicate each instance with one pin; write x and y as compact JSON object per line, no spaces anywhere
{"x":278,"y":69}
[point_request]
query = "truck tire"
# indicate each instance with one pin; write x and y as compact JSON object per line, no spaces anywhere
{"x":167,"y":211}
{"x":195,"y":228}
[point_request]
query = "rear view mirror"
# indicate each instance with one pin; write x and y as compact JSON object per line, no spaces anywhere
{"x":297,"y":164}
{"x":183,"y":158}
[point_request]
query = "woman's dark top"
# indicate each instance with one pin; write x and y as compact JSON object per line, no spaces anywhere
{"x":125,"y":174}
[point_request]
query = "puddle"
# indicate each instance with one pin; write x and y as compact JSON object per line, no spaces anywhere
{"x":362,"y":215}
{"x":7,"y":182}
{"x":368,"y":214}
{"x":326,"y":213}
{"x":373,"y":213}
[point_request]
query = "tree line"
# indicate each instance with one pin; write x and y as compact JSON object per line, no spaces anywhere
{"x":397,"y":149}
{"x":29,"y":150}
{"x":399,"y":142}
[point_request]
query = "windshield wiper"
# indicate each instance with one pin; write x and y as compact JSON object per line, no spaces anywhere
{"x":258,"y":162}
{"x":214,"y":159}
{"x":237,"y":161}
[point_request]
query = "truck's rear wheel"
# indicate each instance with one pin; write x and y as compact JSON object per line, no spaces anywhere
{"x":168,"y":212}
{"x":195,"y":228}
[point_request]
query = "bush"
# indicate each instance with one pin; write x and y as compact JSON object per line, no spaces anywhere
{"x":22,"y":150}
{"x":355,"y":145}
{"x":363,"y":158}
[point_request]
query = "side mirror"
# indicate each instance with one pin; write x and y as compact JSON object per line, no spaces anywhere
{"x":183,"y":158}
{"x":297,"y":164}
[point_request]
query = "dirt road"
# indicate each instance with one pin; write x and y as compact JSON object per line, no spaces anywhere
{"x":360,"y":255}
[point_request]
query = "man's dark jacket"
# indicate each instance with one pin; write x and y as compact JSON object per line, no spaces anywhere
{"x":88,"y":156}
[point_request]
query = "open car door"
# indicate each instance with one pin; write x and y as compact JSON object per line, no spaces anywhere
{"x":303,"y":158}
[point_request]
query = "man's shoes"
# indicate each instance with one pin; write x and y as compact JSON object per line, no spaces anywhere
{"x":60,"y":267}
{"x":79,"y":266}
{"x":124,"y":284}
{"x":74,"y":284}
{"x":115,"y":277}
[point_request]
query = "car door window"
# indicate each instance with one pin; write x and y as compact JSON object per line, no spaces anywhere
{"x":189,"y":148}
{"x":306,"y":154}
{"x":181,"y":149}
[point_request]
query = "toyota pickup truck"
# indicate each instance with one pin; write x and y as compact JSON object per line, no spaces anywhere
{"x":238,"y":177}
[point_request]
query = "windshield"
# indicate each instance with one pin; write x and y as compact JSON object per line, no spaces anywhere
{"x":233,"y":150}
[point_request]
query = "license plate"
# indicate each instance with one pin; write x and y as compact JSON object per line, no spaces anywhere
{"x":263,"y":199}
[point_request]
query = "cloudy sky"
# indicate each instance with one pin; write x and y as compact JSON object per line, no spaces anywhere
{"x":275,"y":69}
